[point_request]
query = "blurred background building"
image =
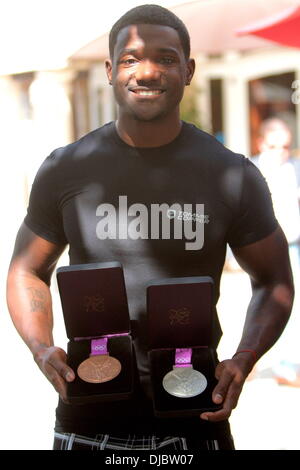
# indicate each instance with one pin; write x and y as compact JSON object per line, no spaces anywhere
{"x":240,"y":80}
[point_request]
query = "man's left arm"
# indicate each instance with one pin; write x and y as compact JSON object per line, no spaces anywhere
{"x":267,"y":263}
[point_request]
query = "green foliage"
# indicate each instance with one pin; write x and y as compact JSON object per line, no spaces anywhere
{"x":188,"y":109}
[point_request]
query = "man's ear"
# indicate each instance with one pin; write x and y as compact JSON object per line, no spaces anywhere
{"x":190,"y":70}
{"x":108,"y":67}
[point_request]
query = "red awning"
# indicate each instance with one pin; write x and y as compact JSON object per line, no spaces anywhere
{"x":212,"y":25}
{"x":283,"y":27}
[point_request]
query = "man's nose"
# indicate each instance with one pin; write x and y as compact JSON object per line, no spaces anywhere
{"x":147,"y":71}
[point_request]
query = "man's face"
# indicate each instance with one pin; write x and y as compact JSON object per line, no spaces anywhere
{"x":149,"y":71}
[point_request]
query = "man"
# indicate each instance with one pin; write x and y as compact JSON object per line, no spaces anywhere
{"x":150,"y":157}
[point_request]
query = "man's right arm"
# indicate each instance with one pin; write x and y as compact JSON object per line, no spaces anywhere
{"x":30,"y":305}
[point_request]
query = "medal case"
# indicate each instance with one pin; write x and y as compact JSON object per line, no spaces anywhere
{"x":94,"y":303}
{"x":180,"y":315}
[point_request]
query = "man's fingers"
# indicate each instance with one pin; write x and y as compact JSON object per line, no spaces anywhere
{"x":62,"y":368}
{"x":225,"y":378}
{"x":226,"y":392}
{"x":230,"y":403}
{"x":58,"y":361}
{"x":52,"y":362}
{"x":234,"y":391}
{"x":57,"y":381}
{"x":215,"y":416}
{"x":224,"y":412}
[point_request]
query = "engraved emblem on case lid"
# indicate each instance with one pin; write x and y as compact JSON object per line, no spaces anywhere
{"x":184,"y":382}
{"x":94,"y":303}
{"x":179,"y":316}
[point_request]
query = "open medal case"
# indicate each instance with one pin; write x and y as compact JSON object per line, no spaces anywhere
{"x":95,"y":308}
{"x":180,"y":316}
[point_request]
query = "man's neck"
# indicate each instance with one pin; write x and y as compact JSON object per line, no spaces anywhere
{"x":148,"y":133}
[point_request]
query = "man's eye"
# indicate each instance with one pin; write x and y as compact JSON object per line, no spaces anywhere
{"x":128,"y":61}
{"x":166,"y":60}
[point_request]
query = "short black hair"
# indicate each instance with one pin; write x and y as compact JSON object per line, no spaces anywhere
{"x":151,"y":14}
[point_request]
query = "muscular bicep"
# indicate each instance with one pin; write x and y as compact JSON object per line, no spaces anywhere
{"x":34,"y":254}
{"x":266,"y":261}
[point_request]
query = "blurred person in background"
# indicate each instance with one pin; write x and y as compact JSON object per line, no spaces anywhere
{"x":282,"y":173}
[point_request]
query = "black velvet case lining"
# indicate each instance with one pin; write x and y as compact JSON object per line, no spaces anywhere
{"x":121,"y":387}
{"x":161,"y":362}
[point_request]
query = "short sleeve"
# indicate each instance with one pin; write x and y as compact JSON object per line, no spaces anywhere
{"x":255,"y":219}
{"x":43,"y":214}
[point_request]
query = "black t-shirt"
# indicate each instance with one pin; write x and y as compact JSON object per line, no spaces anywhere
{"x":162,"y":212}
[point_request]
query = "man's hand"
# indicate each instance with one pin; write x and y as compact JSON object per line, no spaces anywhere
{"x":52,"y":362}
{"x":268,"y":265}
{"x":30,"y":306}
{"x":231,"y":375}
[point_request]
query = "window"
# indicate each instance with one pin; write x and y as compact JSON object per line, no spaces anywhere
{"x":271,"y":96}
{"x":22,"y":83}
{"x":80,"y":103}
{"x":216,"y":100}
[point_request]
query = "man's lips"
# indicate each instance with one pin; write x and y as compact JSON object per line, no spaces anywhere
{"x":139,"y":91}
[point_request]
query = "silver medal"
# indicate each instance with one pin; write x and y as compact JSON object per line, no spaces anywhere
{"x":184,"y":382}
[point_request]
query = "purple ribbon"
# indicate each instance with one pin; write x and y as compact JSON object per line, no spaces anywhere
{"x":98,"y":346}
{"x":183,"y":357}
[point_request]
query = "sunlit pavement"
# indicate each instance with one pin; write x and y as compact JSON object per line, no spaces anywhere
{"x":267,"y":416}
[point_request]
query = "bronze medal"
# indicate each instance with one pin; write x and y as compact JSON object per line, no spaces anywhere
{"x":99,"y":368}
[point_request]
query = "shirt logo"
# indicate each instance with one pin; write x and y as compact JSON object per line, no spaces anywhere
{"x":161,"y":222}
{"x":184,"y":215}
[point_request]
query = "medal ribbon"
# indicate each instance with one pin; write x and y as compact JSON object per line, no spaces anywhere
{"x":183,"y":357}
{"x":99,"y":346}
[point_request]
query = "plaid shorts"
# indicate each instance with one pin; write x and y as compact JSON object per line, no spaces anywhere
{"x":71,"y":441}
